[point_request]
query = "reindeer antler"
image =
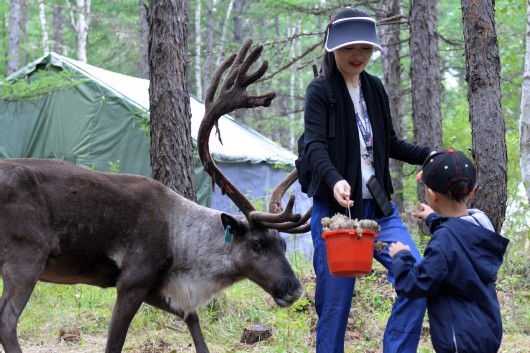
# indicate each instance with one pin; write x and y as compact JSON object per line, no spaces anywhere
{"x":233,"y":95}
{"x":275,"y":207}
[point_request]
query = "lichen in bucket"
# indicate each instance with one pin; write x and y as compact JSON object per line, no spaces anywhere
{"x":340,"y":221}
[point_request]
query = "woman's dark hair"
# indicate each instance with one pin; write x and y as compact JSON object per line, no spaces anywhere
{"x":328,"y":63}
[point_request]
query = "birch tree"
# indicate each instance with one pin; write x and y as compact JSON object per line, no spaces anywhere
{"x":45,"y":36}
{"x":81,"y":26}
{"x":525,"y":112}
{"x":14,"y":36}
{"x":144,"y":33}
{"x":207,"y":63}
{"x":485,"y":113}
{"x":224,"y":29}
{"x":198,"y":44}
{"x":291,"y":138}
{"x":171,"y":143}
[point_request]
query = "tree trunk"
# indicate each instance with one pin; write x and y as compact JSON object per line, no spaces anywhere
{"x":425,"y":77}
{"x":45,"y":36}
{"x":207,"y":67}
{"x":222,"y":40}
{"x":291,"y":139}
{"x":389,"y":37}
{"x":171,"y":143}
{"x":255,"y":333}
{"x":81,"y":26}
{"x":299,"y":87}
{"x":239,"y":114}
{"x":144,"y":33}
{"x":485,"y":113}
{"x":525,"y":113}
{"x":58,"y":29}
{"x":238,"y":22}
{"x":23,"y":32}
{"x":14,"y":36}
{"x":198,"y":44}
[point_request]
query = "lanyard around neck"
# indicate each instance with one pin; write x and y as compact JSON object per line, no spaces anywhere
{"x":366,"y":129}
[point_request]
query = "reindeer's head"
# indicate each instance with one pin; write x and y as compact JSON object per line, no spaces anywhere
{"x":232,"y":96}
{"x":258,"y":232}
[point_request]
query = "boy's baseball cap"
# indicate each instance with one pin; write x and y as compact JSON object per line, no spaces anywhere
{"x":351,"y":30}
{"x":444,"y":168}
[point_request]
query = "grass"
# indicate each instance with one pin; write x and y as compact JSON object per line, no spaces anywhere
{"x":53,"y":307}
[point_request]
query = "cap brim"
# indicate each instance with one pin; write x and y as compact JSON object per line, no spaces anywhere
{"x":349,"y":31}
{"x":419,"y":176}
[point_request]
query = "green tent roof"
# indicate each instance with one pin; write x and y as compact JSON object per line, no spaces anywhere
{"x":132,"y":95}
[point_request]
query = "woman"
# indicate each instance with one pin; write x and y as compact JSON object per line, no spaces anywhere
{"x":343,"y":156}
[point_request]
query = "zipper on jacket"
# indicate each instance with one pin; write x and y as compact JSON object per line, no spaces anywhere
{"x":454,"y":338}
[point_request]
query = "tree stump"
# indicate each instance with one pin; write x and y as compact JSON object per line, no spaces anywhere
{"x":255,"y":333}
{"x":69,"y":334}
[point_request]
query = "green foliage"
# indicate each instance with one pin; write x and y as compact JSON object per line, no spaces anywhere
{"x":53,"y":306}
{"x":113,"y":39}
{"x":456,"y":126}
{"x":260,"y":203}
{"x":451,"y":44}
{"x":38,"y":84}
{"x":515,"y":302}
{"x":114,"y":167}
{"x":142,"y":121}
{"x":4,"y":35}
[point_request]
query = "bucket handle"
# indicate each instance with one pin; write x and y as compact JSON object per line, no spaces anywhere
{"x":348,"y":211}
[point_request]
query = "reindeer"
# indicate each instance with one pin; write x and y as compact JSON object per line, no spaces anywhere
{"x":62,"y":223}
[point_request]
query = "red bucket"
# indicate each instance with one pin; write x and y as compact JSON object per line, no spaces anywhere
{"x":348,"y":254}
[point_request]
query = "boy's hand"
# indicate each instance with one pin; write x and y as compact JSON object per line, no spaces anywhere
{"x":397,"y":247}
{"x":424,"y":212}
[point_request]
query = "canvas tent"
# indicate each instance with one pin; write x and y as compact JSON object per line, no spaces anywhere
{"x":96,"y":123}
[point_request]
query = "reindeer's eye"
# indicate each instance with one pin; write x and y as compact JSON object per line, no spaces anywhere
{"x":257,"y":245}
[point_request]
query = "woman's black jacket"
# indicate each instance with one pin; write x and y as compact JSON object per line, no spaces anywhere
{"x":336,"y":158}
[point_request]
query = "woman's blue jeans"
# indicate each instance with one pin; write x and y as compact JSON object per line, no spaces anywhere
{"x":333,"y":295}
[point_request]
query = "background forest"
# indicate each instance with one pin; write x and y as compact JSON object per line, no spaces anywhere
{"x":113,"y":35}
{"x":291,"y":32}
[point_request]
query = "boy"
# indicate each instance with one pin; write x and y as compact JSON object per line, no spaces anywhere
{"x":460,"y":264}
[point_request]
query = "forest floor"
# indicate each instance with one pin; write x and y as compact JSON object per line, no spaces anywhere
{"x":164,"y":334}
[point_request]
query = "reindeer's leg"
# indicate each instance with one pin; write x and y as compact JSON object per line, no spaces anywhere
{"x":191,"y":320}
{"x":19,"y":278}
{"x":130,"y":297}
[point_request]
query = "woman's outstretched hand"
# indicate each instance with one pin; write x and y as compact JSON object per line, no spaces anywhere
{"x":341,"y":192}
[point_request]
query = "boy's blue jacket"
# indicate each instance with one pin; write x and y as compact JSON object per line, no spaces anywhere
{"x":457,"y":275}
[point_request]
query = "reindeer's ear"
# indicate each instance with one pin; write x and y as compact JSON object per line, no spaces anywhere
{"x":236,"y":226}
